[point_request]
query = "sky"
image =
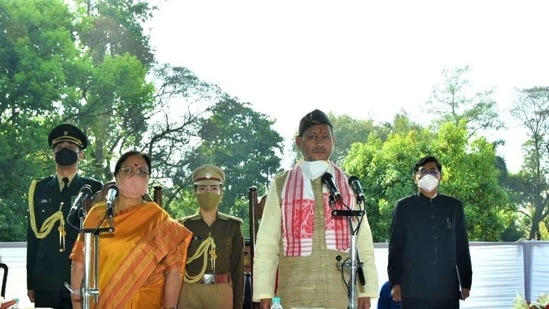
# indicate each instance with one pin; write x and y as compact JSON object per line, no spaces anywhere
{"x":366,"y":59}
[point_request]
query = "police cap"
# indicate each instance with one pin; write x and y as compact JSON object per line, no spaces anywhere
{"x":67,"y":133}
{"x":208,"y":174}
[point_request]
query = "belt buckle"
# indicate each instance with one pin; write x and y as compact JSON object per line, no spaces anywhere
{"x":208,"y":279}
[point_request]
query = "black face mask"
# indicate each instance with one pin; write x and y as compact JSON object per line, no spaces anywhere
{"x":66,"y":157}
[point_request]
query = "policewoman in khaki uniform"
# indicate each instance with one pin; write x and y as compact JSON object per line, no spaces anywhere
{"x":49,"y":236}
{"x":214,"y":272}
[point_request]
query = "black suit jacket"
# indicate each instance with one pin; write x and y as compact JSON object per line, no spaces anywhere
{"x":48,"y":268}
{"x":428,"y":240}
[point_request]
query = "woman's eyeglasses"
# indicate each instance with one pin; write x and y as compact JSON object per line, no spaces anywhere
{"x":129,"y":171}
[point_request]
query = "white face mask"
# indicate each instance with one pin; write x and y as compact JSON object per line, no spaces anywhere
{"x":133,"y":186}
{"x":314,"y":169}
{"x":428,"y":183}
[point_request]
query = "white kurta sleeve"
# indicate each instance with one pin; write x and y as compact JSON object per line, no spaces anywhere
{"x":267,"y":246}
{"x":365,"y":247}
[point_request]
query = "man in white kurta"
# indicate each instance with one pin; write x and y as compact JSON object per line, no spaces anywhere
{"x":298,"y":239}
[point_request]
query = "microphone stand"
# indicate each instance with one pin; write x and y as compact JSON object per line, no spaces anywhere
{"x":354,"y":263}
{"x":89,"y":287}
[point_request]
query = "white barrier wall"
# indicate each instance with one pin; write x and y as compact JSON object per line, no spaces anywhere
{"x":500,"y":270}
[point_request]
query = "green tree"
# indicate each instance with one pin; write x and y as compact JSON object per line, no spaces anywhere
{"x":49,"y":75}
{"x":455,"y":101}
{"x":348,"y":131}
{"x":37,"y":63}
{"x":386,"y":171}
{"x":242,"y":142}
{"x":115,"y":27}
{"x":532,"y":109}
{"x":182,"y":100}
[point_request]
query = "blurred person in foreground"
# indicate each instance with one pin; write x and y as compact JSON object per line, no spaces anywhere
{"x":214,"y":273}
{"x":385,"y":300}
{"x":429,"y":264}
{"x":298,"y":238}
{"x":141,"y":263}
{"x":49,"y":236}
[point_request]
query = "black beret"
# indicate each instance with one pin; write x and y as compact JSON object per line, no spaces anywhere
{"x":313,"y":118}
{"x":67,"y":133}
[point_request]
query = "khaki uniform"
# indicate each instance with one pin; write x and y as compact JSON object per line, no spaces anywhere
{"x":226,"y":259}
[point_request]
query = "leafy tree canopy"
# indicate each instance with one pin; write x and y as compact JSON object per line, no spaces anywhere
{"x":386,"y":172}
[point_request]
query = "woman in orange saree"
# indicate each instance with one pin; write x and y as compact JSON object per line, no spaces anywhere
{"x":142,"y":262}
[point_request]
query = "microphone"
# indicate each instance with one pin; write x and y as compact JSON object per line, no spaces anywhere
{"x":355,"y":184}
{"x":360,"y":272}
{"x":84,"y":194}
{"x":328,"y":180}
{"x":111,"y":195}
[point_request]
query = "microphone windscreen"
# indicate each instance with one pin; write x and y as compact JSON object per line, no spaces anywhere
{"x":352,"y":179}
{"x":86,"y":189}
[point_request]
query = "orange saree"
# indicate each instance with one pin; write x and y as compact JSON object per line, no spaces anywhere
{"x":132,"y":260}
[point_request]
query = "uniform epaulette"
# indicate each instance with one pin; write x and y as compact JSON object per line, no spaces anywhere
{"x":44,"y":178}
{"x":190,"y":217}
{"x":229,"y":217}
{"x":89,"y":178}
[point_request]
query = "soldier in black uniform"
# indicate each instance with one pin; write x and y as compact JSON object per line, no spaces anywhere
{"x":214,"y":273}
{"x":49,"y":237}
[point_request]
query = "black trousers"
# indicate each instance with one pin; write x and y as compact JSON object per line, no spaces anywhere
{"x":247,"y":304}
{"x":53,"y":299}
{"x":426,"y":303}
